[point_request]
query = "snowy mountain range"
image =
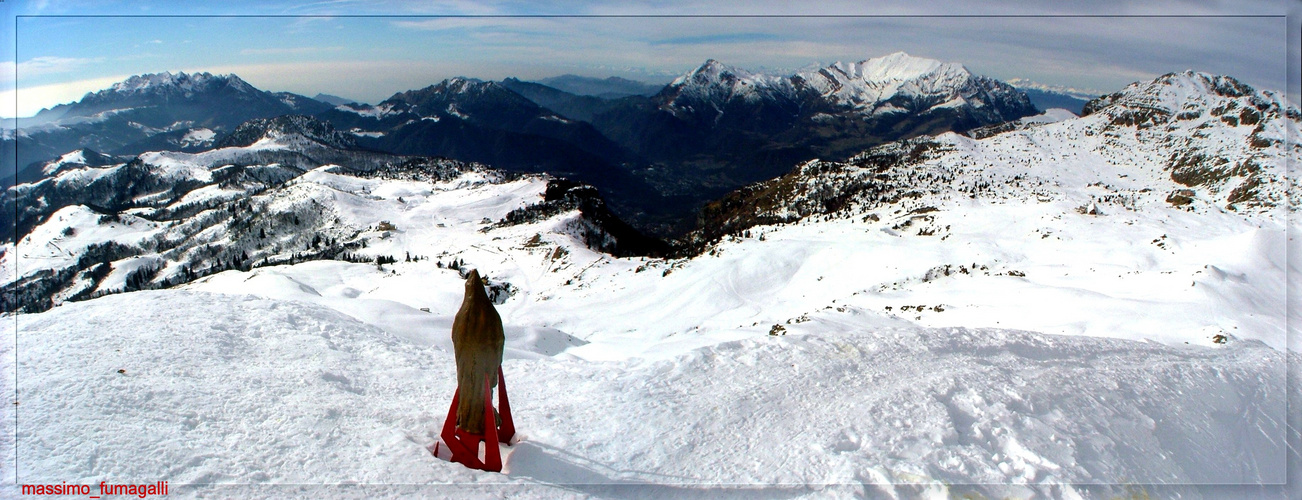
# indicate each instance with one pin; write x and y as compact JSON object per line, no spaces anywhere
{"x":894,"y":84}
{"x":719,"y":127}
{"x":147,"y":112}
{"x":657,"y":158}
{"x":1191,"y":140}
{"x":1048,"y":305}
{"x":1073,"y":92}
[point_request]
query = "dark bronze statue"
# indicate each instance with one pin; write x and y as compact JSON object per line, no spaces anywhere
{"x":477,"y":339}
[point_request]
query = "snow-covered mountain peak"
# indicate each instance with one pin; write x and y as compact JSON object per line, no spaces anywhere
{"x":461,"y":84}
{"x":169,"y":82}
{"x":716,"y":82}
{"x":159,"y":88}
{"x":900,"y":82}
{"x":710,"y":72}
{"x":900,"y":66}
{"x":138,"y":83}
{"x":78,"y":156}
{"x":458,"y":90}
{"x":1221,"y":85}
{"x":1190,"y":93}
{"x":459,"y":87}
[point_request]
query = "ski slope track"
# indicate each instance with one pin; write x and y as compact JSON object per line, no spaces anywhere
{"x":1065,"y":307}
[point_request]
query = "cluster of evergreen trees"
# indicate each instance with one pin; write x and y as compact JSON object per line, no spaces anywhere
{"x":34,"y":292}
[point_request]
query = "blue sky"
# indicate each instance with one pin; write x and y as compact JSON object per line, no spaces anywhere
{"x":318,"y":48}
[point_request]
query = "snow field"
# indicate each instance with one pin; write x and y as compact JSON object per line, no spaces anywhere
{"x":253,"y":390}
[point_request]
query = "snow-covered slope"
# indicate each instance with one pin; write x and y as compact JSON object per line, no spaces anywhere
{"x":1193,"y":141}
{"x":257,"y":390}
{"x":189,"y":215}
{"x":78,"y":158}
{"x":1077,"y":226}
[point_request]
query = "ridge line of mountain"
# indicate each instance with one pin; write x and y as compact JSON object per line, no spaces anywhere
{"x":658,"y":158}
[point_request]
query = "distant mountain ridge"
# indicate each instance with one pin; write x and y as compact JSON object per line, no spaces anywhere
{"x":1077,"y":93}
{"x":719,"y":127}
{"x":332,"y":99}
{"x":657,"y":157}
{"x":131,"y":112}
{"x":202,"y":98}
{"x":1054,"y":96}
{"x":607,"y":88}
{"x":1187,"y":141}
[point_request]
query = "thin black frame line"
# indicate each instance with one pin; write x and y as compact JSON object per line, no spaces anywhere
{"x":665,"y":16}
{"x":14,"y":286}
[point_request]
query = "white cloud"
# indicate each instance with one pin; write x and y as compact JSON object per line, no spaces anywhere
{"x":45,"y":65}
{"x":28,"y":100}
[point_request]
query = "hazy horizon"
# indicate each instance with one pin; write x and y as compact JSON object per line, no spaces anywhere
{"x":65,"y":49}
